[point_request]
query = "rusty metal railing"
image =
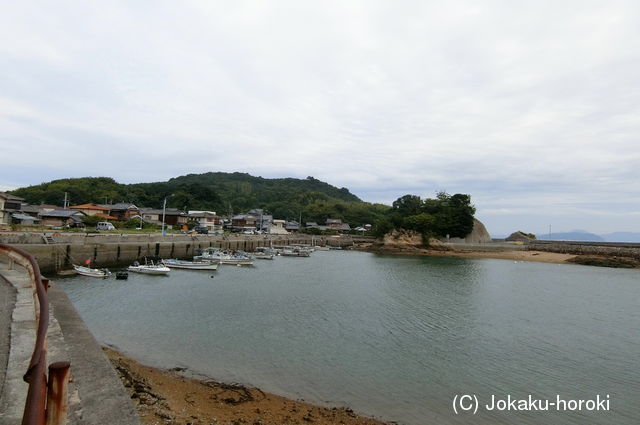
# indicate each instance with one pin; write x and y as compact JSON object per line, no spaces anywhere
{"x":40,"y":409}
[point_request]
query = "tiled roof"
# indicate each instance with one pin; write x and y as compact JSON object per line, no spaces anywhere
{"x":88,"y":207}
{"x":10,"y":197}
{"x":60,"y":213}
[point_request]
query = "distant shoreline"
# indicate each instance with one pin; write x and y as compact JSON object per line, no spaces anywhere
{"x":606,"y":260}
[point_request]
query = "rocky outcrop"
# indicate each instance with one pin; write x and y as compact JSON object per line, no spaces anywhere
{"x":479,"y":234}
{"x":519,"y":237}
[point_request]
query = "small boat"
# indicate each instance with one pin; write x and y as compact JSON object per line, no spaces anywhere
{"x":238,"y":258}
{"x":266,"y":250}
{"x":191,"y":265}
{"x":87,"y":271}
{"x":291,"y":251}
{"x":157,"y":269}
{"x":263,"y":256}
{"x":321,"y":248}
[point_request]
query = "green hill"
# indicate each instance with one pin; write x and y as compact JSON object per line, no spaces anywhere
{"x":221,"y":192}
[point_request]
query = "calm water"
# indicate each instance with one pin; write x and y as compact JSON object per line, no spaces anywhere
{"x":395,"y":337}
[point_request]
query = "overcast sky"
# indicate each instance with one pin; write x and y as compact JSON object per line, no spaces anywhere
{"x":531,"y":107}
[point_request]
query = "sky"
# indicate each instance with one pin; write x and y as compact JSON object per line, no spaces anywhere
{"x":532,"y":108}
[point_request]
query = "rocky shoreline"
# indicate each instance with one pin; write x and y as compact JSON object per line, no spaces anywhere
{"x":407,"y":243}
{"x":171,"y":397}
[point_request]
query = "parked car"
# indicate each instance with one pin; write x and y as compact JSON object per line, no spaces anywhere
{"x":105,"y":225}
{"x":201,"y":230}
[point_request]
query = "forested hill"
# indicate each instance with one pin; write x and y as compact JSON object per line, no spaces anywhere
{"x":220,"y":192}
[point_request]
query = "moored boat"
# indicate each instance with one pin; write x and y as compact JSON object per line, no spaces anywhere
{"x":263,"y":256}
{"x":292,"y":251}
{"x":88,"y":271}
{"x":236,"y":258}
{"x":155,"y":269}
{"x":191,"y":265}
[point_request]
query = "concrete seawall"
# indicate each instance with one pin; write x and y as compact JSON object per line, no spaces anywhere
{"x":631,"y":250}
{"x":95,"y":394}
{"x":58,"y":251}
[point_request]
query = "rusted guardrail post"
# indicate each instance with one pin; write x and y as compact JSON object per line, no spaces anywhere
{"x":35,"y":409}
{"x":57,"y":394}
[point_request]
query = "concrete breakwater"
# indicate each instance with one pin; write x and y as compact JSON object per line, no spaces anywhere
{"x":58,"y":251}
{"x":618,"y":249}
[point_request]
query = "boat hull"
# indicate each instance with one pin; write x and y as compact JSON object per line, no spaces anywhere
{"x":191,"y":265}
{"x":86,"y":271}
{"x":155,"y":270}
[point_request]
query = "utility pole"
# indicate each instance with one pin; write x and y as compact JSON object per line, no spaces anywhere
{"x":164,"y":210}
{"x":65,"y":201}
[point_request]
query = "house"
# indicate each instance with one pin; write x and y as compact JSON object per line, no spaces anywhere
{"x":94,"y":210}
{"x":292,"y":226}
{"x":278,"y":227}
{"x":24,"y":219}
{"x":9,"y":204}
{"x":263,"y":221}
{"x":207,"y":219}
{"x":337,"y":224}
{"x":242,"y":222}
{"x":122,"y":211}
{"x":62,"y":218}
{"x":35,"y":210}
{"x":172,"y":216}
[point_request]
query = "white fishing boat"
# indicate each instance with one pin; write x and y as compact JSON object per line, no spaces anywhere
{"x":88,"y":271}
{"x":191,"y":265}
{"x":292,"y":251}
{"x":321,"y":248}
{"x":238,"y":258}
{"x":263,"y":256}
{"x":156,"y":269}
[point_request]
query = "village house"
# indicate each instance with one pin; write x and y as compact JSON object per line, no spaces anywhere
{"x":94,"y":210}
{"x":337,"y":224}
{"x":292,"y":226}
{"x":172,"y":216}
{"x":122,"y":211}
{"x":62,"y":218}
{"x":207,"y":219}
{"x":242,"y":222}
{"x":9,"y":205}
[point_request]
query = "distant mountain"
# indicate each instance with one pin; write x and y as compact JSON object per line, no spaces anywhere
{"x":622,"y":237}
{"x":579,"y":236}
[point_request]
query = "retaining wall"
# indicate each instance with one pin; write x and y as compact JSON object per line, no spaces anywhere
{"x":114,"y":250}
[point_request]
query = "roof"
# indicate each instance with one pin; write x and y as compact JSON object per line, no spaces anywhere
{"x":167,"y":211}
{"x":334,"y":221}
{"x":19,"y":216}
{"x":10,"y":197}
{"x":88,"y":207}
{"x":202,"y":214}
{"x":37,"y":208}
{"x":60,"y":213}
{"x":120,"y":206}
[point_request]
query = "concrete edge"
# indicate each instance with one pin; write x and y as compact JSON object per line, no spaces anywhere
{"x":102,"y":397}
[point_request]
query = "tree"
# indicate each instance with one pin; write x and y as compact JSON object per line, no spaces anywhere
{"x":408,"y":205}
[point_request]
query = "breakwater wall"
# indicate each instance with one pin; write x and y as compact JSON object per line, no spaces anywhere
{"x":58,"y":251}
{"x":618,"y":249}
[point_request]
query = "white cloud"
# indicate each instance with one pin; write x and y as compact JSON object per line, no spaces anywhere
{"x":498,"y":99}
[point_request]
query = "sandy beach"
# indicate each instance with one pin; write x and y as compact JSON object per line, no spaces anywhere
{"x":170,"y":397}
